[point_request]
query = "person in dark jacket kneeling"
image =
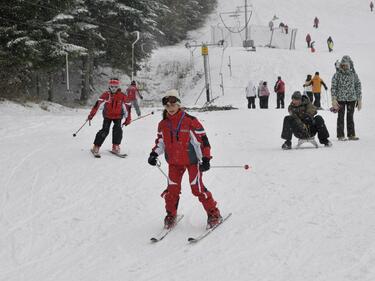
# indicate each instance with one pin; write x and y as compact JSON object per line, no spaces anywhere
{"x":303,"y":122}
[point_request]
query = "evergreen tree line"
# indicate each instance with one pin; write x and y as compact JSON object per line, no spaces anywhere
{"x":36,"y":36}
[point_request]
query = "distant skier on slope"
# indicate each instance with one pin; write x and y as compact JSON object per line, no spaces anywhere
{"x":302,"y":122}
{"x":132,"y":91}
{"x":346,"y":93}
{"x":330,"y":44}
{"x":371,"y":6}
{"x":316,"y":22}
{"x":308,"y":40}
{"x":183,"y":140}
{"x":116,"y":107}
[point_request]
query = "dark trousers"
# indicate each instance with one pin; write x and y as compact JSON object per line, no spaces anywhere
{"x":350,"y":105}
{"x":103,"y":133}
{"x":280,"y":100}
{"x":293,"y":126}
{"x":263,"y":101}
{"x":250,"y":102}
{"x":317,"y":100}
{"x":311,"y":96}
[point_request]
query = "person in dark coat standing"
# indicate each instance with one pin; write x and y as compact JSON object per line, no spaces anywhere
{"x":303,"y":122}
{"x":279,"y":89}
{"x":308,"y":40}
{"x":371,"y":6}
{"x":316,"y":22}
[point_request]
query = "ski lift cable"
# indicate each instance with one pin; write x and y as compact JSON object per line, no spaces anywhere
{"x":238,"y":31}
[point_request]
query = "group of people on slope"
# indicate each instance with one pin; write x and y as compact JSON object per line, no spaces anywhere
{"x":263,"y":93}
{"x":183,"y":140}
{"x":313,"y":88}
{"x":346,"y":96}
{"x":311,"y":44}
{"x":117,"y":105}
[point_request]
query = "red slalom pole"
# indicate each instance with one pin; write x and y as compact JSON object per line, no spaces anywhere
{"x":246,"y":166}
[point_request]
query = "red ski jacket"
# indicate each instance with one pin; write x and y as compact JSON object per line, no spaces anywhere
{"x":116,"y":106}
{"x":132,"y":92}
{"x":280,"y":86}
{"x":183,"y":140}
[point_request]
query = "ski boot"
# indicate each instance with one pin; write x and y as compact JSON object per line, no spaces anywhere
{"x":353,"y":138}
{"x":327,"y":143}
{"x":213,"y":218}
{"x":169,"y":221}
{"x":95,"y":151}
{"x":116,"y":148}
{"x":287,"y":145}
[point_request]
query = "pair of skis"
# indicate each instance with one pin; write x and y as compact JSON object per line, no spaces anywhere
{"x":160,"y":236}
{"x":97,"y":154}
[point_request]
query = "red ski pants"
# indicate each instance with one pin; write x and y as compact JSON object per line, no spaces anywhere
{"x":172,"y":194}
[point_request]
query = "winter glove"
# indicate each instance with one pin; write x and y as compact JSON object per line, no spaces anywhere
{"x":90,"y":117}
{"x":335,"y":104}
{"x":152,"y":158}
{"x":204,"y":165}
{"x":127,"y":122}
{"x":359,"y":104}
{"x":308,"y":120}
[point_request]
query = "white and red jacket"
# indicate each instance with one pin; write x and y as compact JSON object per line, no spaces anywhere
{"x":116,"y":106}
{"x":183,"y":140}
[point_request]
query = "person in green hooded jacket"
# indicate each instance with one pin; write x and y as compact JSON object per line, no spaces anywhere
{"x":346,"y":95}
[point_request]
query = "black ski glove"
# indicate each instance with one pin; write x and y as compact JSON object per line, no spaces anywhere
{"x":204,"y":165}
{"x":152,"y":158}
{"x":308,"y":120}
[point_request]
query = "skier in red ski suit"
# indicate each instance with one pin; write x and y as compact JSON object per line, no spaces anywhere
{"x":185,"y":144}
{"x":116,"y":107}
{"x":132,"y":93}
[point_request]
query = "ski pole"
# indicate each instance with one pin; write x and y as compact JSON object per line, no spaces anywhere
{"x":327,"y":98}
{"x":143,"y":116}
{"x":75,"y":134}
{"x":246,"y":167}
{"x":140,"y":117}
{"x":158,"y":164}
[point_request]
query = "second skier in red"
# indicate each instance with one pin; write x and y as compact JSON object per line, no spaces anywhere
{"x":181,"y":137}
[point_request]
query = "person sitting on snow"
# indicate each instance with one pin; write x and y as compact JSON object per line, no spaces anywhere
{"x":303,"y":122}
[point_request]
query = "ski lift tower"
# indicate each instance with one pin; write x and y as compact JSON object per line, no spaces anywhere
{"x":247,"y":43}
{"x":204,"y":51}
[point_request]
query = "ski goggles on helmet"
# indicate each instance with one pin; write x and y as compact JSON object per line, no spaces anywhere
{"x":170,"y":99}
